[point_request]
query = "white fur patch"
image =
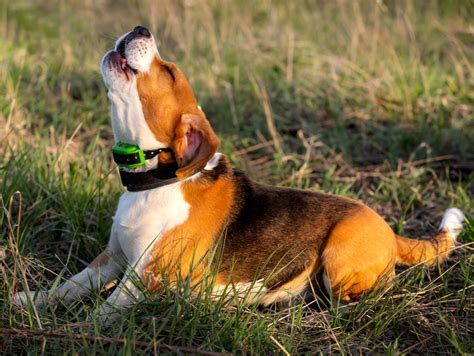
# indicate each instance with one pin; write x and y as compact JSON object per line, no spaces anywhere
{"x":140,"y":52}
{"x":248,"y":292}
{"x":142,"y":217}
{"x":140,"y":221}
{"x":210,"y":165}
{"x":327,"y":283}
{"x":128,"y":121}
{"x":452,"y":222}
{"x":213,"y":162}
{"x":129,"y":124}
{"x":39,"y":298}
{"x":283,"y":295}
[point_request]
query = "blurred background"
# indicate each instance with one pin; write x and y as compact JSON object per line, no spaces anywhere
{"x":370,"y":99}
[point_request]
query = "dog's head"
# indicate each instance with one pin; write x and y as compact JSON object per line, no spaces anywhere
{"x":153,"y":105}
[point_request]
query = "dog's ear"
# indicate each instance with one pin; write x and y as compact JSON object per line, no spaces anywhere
{"x":194,"y":144}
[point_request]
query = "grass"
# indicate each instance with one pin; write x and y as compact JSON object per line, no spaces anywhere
{"x":372,"y":100}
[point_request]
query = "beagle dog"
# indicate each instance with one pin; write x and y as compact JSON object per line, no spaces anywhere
{"x":184,"y":200}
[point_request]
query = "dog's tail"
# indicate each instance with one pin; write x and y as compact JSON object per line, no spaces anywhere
{"x":411,"y":251}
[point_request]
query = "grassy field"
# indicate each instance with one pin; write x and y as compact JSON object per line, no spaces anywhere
{"x":370,"y":99}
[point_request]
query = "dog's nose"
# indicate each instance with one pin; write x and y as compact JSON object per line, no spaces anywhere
{"x":142,"y":31}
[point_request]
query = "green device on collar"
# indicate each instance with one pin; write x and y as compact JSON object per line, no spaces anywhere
{"x":132,"y":156}
{"x":128,"y":156}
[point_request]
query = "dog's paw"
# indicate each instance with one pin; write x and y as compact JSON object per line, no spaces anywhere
{"x":105,"y":314}
{"x":38,"y":298}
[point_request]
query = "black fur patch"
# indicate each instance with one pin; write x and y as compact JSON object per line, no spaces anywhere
{"x":275,"y":233}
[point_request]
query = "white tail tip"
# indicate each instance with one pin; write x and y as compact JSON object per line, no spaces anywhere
{"x":452,"y":222}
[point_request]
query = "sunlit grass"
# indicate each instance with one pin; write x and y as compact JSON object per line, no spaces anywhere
{"x":370,"y":99}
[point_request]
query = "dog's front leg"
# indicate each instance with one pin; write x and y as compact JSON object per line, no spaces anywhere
{"x":104,"y":268}
{"x":128,"y":292}
{"x":133,"y":284}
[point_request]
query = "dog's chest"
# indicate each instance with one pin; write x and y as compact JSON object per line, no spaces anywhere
{"x":143,"y":217}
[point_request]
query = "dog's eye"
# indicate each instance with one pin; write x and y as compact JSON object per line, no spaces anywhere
{"x":170,"y":72}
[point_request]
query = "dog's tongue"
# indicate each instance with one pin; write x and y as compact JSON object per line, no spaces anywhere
{"x":123,"y":65}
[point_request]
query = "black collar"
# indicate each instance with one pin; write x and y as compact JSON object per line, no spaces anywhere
{"x":138,"y":181}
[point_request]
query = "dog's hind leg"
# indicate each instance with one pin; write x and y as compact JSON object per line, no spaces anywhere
{"x":360,"y":251}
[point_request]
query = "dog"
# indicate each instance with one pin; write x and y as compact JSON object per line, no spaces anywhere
{"x":184,"y":198}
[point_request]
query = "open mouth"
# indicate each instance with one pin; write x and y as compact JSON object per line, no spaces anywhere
{"x":121,"y":51}
{"x":120,"y":64}
{"x":118,"y":57}
{"x":120,"y":60}
{"x":126,"y":67}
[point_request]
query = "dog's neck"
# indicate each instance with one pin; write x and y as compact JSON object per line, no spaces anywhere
{"x":129,"y":124}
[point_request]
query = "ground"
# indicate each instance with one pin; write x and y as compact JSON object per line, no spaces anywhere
{"x":371,"y":99}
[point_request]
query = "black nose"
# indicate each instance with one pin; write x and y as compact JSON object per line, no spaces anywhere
{"x":143,"y":31}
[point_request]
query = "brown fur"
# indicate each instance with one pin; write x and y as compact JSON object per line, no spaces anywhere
{"x":172,"y":113}
{"x":165,"y":99}
{"x":361,"y":248}
{"x":184,"y":248}
{"x":430,"y":252}
{"x":198,"y":127}
{"x":275,"y":232}
{"x":283,"y":236}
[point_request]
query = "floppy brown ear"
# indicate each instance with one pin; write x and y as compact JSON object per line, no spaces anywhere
{"x":194,"y":144}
